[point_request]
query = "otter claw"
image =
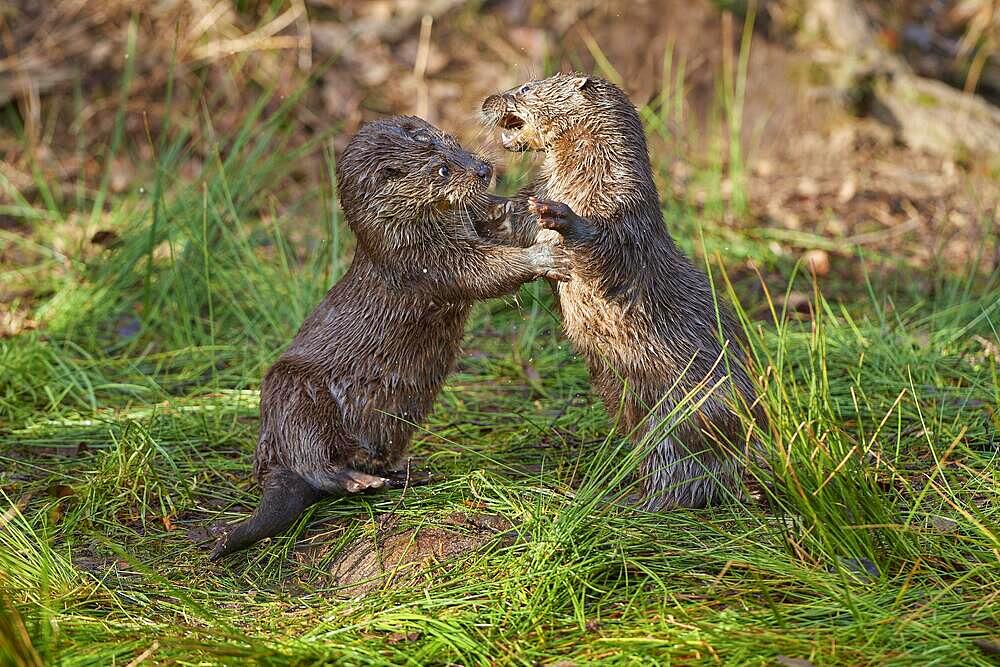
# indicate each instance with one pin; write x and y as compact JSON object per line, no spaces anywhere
{"x":550,"y":210}
{"x":496,"y":220}
{"x":560,"y":218}
{"x":557,"y":275}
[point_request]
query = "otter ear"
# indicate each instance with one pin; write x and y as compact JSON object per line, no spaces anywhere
{"x":582,"y":82}
{"x":391,"y":172}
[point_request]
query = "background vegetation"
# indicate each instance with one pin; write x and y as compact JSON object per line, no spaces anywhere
{"x":168,"y":217}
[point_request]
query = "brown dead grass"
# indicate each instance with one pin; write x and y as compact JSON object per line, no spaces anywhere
{"x":813,"y":168}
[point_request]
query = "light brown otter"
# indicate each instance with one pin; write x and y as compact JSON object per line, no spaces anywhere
{"x":644,"y":318}
{"x":338,"y":408}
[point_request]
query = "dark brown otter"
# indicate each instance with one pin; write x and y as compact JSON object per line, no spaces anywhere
{"x":338,"y":408}
{"x":644,"y":318}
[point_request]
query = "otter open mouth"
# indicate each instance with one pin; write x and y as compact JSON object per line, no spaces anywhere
{"x":510,"y":132}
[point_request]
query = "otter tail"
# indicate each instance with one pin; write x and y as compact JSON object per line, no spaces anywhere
{"x":285,"y":495}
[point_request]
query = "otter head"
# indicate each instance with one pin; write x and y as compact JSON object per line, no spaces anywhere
{"x":533,"y":115}
{"x":398,"y":171}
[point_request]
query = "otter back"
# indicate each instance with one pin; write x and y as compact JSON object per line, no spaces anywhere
{"x":339,"y":407}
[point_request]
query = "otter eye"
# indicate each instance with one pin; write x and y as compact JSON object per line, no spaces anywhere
{"x":443,"y":171}
{"x":523,"y":89}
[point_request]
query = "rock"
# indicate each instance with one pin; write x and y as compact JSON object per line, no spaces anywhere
{"x":763,"y":168}
{"x":862,"y":567}
{"x":835,"y":226}
{"x":404,"y":557}
{"x":842,"y":139}
{"x":925,"y":114}
{"x":796,"y":302}
{"x":808,"y":187}
{"x":848,"y":189}
{"x":818,"y":262}
{"x":121,"y":175}
{"x":944,"y":524}
{"x":785,"y":661}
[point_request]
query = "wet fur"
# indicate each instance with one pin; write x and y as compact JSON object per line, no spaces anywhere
{"x":643,"y":317}
{"x":340,"y":405}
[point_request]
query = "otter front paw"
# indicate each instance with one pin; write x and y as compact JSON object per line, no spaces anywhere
{"x":560,"y":217}
{"x":548,"y":237}
{"x":495,"y":223}
{"x":548,"y":261}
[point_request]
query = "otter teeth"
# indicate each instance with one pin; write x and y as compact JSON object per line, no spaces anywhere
{"x":506,"y":137}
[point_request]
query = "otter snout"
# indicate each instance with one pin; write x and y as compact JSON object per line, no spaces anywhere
{"x":494,"y":105}
{"x":484,"y":170}
{"x":476,"y":166}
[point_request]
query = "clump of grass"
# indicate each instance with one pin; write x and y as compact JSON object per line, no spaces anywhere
{"x":32,"y":569}
{"x":127,"y":472}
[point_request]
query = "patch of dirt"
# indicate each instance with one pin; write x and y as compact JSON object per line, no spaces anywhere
{"x":87,"y":560}
{"x":201,"y":534}
{"x":403,"y":557}
{"x":852,"y":186}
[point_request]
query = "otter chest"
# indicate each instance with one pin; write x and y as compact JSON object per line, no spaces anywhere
{"x":600,"y":327}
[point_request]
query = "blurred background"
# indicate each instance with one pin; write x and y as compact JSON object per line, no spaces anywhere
{"x":837,"y":124}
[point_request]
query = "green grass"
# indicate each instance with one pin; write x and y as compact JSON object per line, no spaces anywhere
{"x":128,"y":422}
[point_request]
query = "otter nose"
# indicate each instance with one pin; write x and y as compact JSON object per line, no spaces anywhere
{"x":484,"y":171}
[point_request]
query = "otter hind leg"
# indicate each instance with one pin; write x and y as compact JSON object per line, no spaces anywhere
{"x":344,"y":481}
{"x":673,"y":476}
